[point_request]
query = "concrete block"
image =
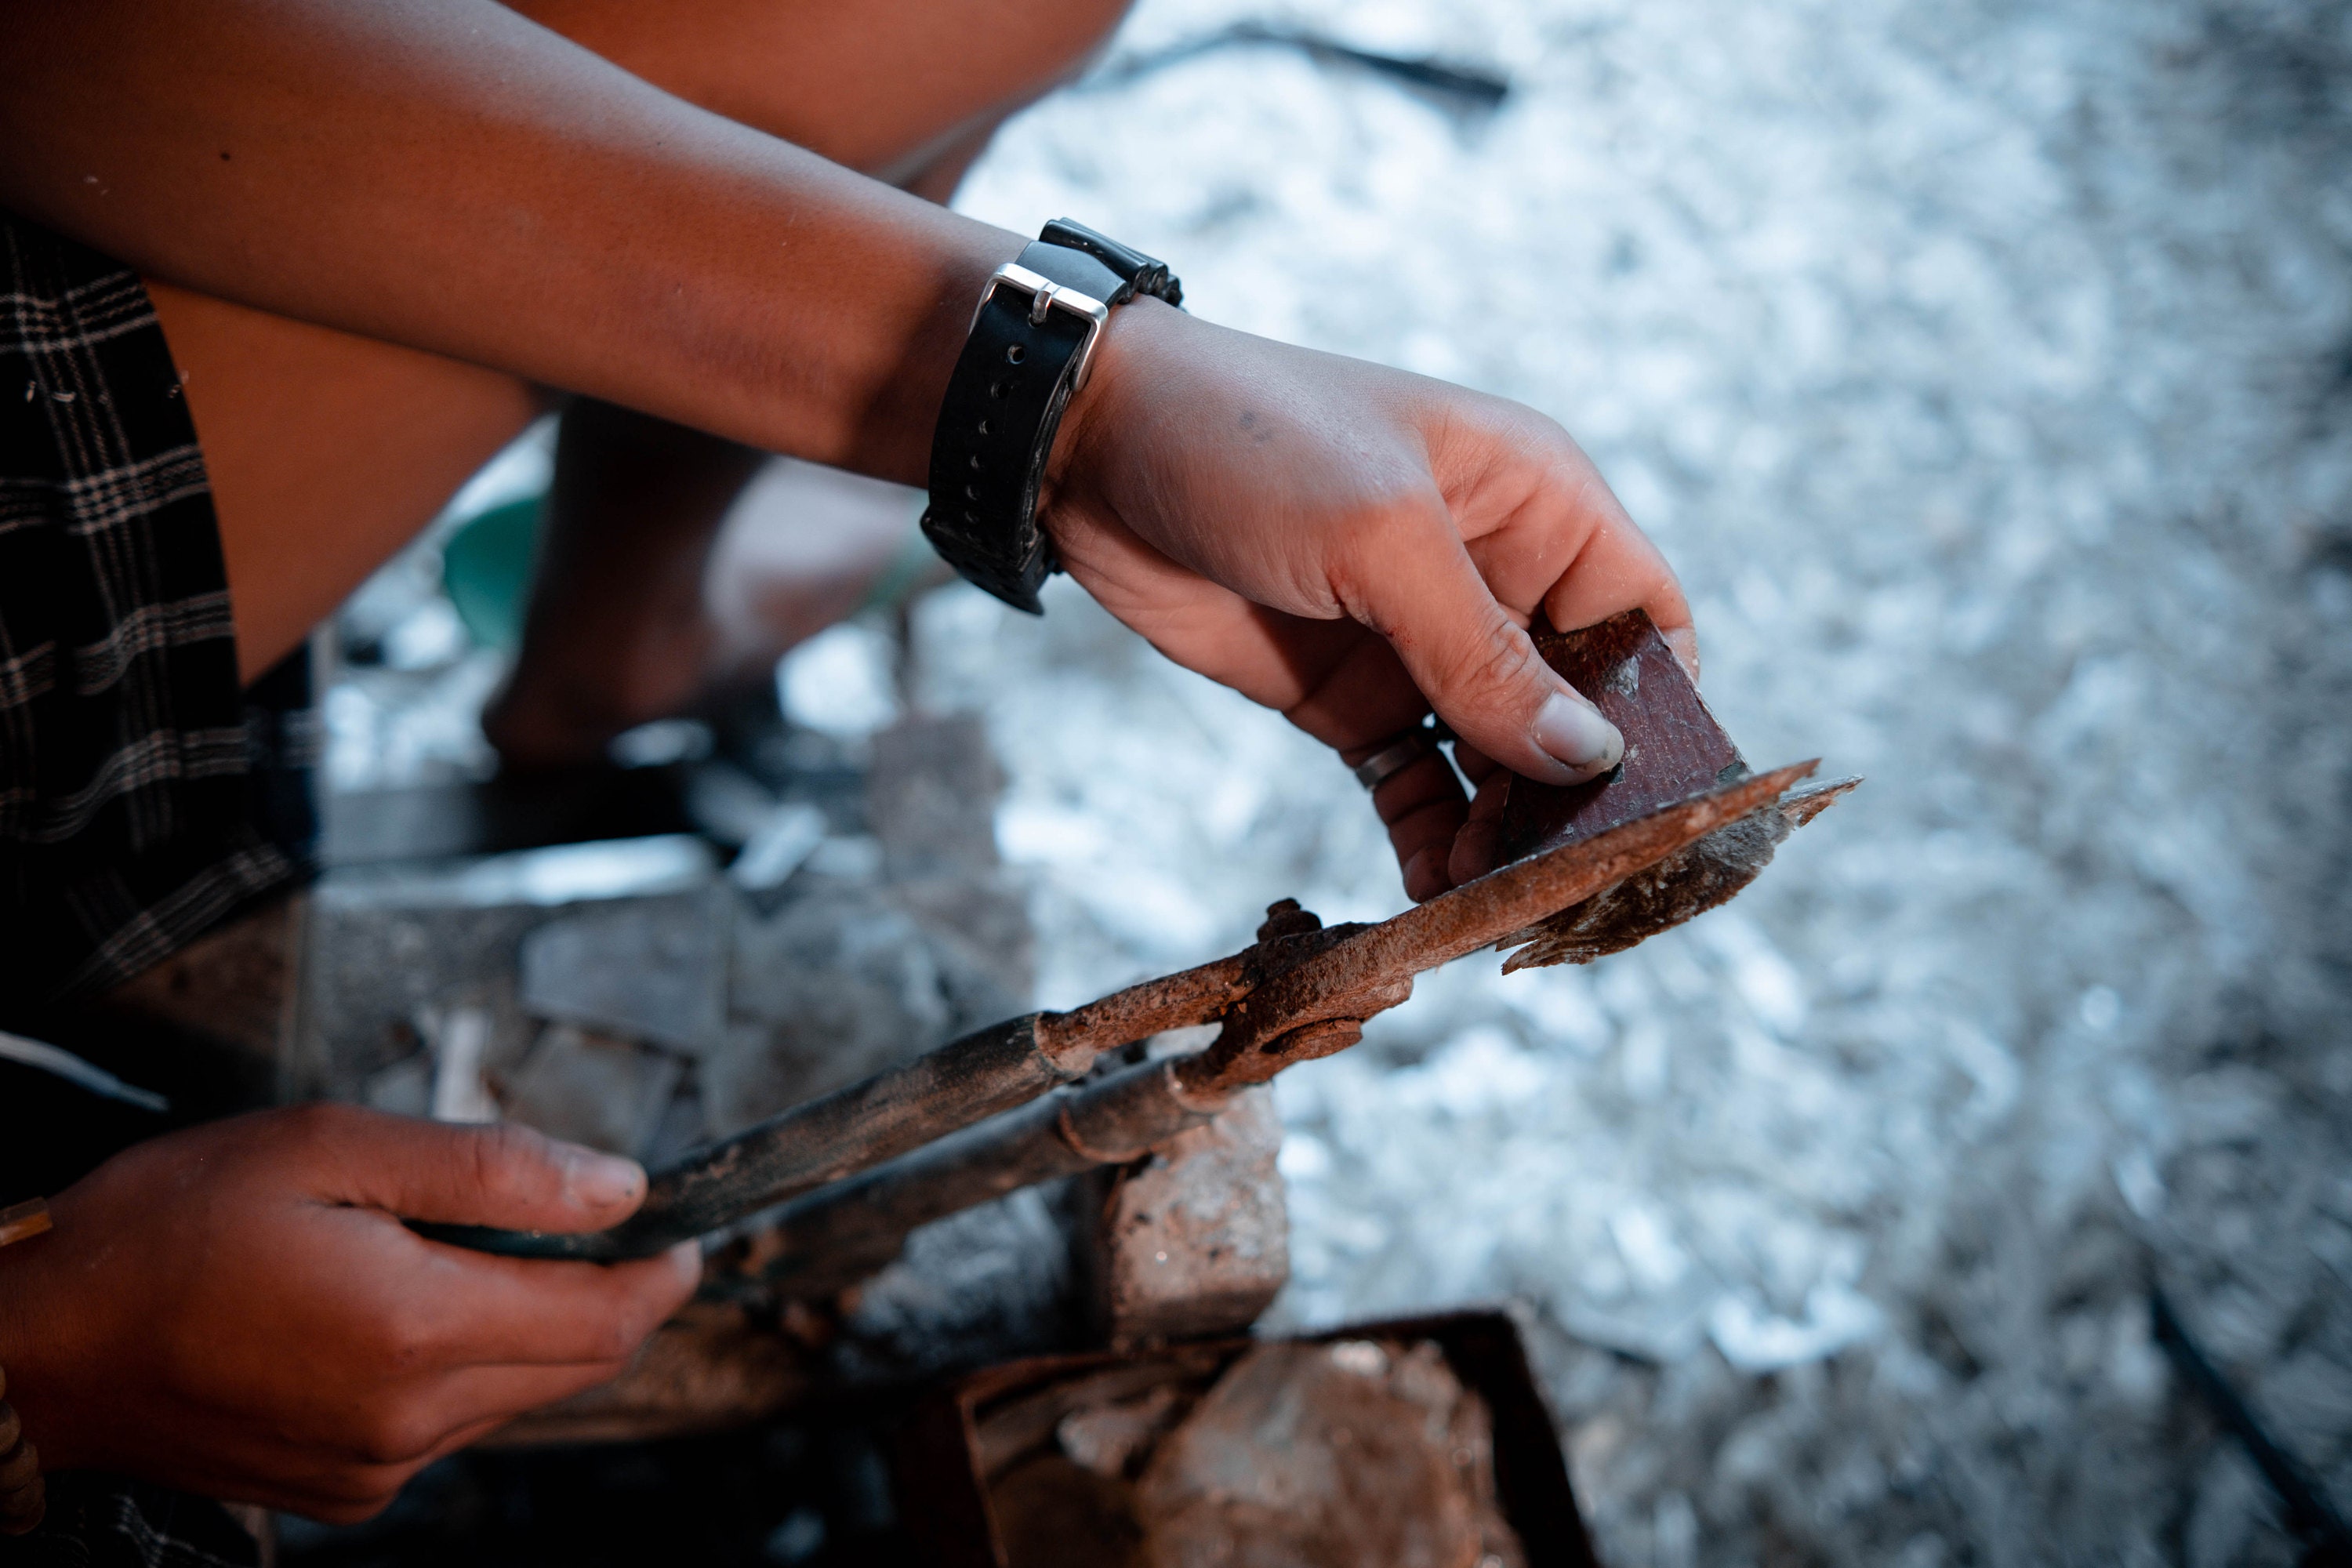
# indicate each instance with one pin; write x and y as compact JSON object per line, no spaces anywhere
{"x":593,"y":1088}
{"x":643,"y":969}
{"x":1195,"y":1239}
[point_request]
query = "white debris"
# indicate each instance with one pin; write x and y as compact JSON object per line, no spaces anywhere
{"x":840,"y":682}
{"x":459,"y":1040}
{"x":1980,"y":369}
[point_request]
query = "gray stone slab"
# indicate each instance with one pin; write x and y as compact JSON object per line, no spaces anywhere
{"x":592,"y":1089}
{"x":389,"y":950}
{"x":646,"y":969}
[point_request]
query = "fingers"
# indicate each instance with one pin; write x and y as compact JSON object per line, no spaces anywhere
{"x":1420,"y":589}
{"x":1549,"y":531}
{"x":478,"y":1311}
{"x":1618,"y":568}
{"x":1439,"y":843}
{"x":346,"y":1455}
{"x":1331,"y":678}
{"x":501,"y":1175}
{"x":1266,"y":655}
{"x":1477,"y":846}
{"x":1335,"y":679}
{"x":1684,"y":642}
{"x":1518,"y":520}
{"x":464,"y":1308}
{"x":1422,"y":806}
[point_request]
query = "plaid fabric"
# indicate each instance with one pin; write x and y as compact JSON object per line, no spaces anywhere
{"x":107,"y":1521}
{"x":141,"y":802}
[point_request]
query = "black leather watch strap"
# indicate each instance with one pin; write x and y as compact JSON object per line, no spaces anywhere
{"x":1143,"y":274}
{"x":1031,"y":344}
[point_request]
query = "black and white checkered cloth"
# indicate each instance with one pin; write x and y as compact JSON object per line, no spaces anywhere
{"x":142,"y":800}
{"x":106,"y":1521}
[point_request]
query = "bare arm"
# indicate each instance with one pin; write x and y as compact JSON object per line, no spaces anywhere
{"x":1345,"y":542}
{"x":1349,"y":544}
{"x":450,"y":175}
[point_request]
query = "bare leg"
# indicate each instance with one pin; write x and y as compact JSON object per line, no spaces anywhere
{"x":647,"y":591}
{"x":327,"y":451}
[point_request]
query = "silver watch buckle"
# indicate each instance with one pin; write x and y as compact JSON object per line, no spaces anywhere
{"x":1045,"y":296}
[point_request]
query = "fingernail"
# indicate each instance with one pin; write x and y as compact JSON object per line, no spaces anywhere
{"x":604,"y":1178}
{"x":1473,"y":852}
{"x":1424,"y":875}
{"x":1577,"y":734}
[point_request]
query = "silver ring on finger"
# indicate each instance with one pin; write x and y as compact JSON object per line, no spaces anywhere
{"x":1402,"y":752}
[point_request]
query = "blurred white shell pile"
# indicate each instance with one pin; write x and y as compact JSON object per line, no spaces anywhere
{"x":1986,"y":372}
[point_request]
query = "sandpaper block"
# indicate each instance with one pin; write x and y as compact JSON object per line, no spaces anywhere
{"x":1673,"y":750}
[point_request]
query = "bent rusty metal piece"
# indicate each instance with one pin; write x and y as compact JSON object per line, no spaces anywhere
{"x":902,"y":1108}
{"x":1317,"y":1006}
{"x":1681,"y":826}
{"x":1296,"y":994}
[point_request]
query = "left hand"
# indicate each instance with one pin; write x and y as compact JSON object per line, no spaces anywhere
{"x":235,"y":1308}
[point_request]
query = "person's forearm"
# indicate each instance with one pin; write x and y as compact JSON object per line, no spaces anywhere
{"x":448,"y":175}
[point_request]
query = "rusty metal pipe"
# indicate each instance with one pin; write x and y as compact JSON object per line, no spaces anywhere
{"x":838,"y":1234}
{"x":1371,"y":969}
{"x":1296,"y":994}
{"x":964,"y":1081}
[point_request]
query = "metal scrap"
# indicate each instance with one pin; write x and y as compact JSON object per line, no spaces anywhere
{"x":1298,"y":992}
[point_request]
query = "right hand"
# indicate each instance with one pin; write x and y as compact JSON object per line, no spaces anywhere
{"x":1355,"y":547}
{"x":236,"y":1310}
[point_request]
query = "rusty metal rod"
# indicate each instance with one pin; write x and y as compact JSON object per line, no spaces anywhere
{"x":964,"y":1081}
{"x":829,"y":1239}
{"x":1285,"y":1000}
{"x":837,"y":1235}
{"x":1301,"y":1013}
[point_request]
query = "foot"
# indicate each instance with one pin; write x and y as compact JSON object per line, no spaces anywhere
{"x":800,"y":549}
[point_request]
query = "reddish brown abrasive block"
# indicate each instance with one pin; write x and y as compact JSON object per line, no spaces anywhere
{"x":1674,"y":747}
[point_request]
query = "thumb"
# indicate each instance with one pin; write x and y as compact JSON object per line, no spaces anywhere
{"x":1478,"y":667}
{"x":500,"y":1174}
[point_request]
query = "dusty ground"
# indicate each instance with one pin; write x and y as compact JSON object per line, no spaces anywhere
{"x":1986,"y":372}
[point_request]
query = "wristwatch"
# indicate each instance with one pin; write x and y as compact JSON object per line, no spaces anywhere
{"x":1030,"y":345}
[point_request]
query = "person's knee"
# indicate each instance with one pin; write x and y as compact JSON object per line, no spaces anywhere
{"x":1072,"y":34}
{"x":882,"y":88}
{"x":974,"y":72}
{"x":1009,"y":54}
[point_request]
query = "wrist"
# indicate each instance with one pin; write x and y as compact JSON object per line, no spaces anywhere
{"x":1033,"y":340}
{"x":1145,"y":331}
{"x":895,"y":420}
